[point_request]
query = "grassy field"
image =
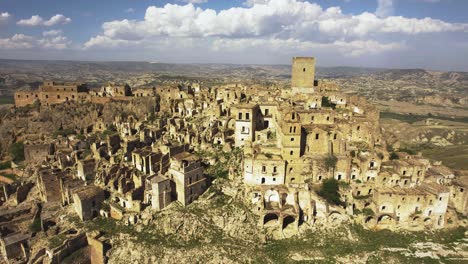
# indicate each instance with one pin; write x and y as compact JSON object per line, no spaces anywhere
{"x":455,"y":157}
{"x":7,"y":100}
{"x":357,"y":243}
{"x":411,"y":118}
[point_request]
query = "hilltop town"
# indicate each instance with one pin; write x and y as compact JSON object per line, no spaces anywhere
{"x":90,"y":169}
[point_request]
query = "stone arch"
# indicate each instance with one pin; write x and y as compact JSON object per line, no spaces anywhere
{"x":270,"y":219}
{"x":369,"y":220}
{"x":335,"y":217}
{"x":384,"y":218}
{"x":272,"y":196}
{"x":427,"y":221}
{"x":288,"y":220}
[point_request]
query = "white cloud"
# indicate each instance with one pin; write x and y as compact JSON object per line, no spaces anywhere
{"x":56,"y":20}
{"x":4,"y":17}
{"x":32,"y":22}
{"x":281,"y":19}
{"x":104,"y":41}
{"x":21,"y":41}
{"x":194,"y":1}
{"x":288,"y":46}
{"x":36,"y":20}
{"x":18,"y":41}
{"x":129,"y":10}
{"x":250,"y":3}
{"x":384,"y":8}
{"x":57,"y":42}
{"x":51,"y":33}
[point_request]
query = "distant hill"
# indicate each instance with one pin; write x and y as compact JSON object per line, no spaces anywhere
{"x":27,"y":74}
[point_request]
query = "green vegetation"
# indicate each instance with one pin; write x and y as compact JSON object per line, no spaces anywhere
{"x":329,"y":191}
{"x":411,"y":118}
{"x":327,"y":246}
{"x":368,"y":212}
{"x":327,"y":103}
{"x":10,"y":176}
{"x":455,"y":156}
{"x":393,"y":156}
{"x":35,"y":226}
{"x":57,"y":240}
{"x":222,"y":161}
{"x":330,"y":162}
{"x":5,"y":165}
{"x":17,"y":151}
{"x":271,"y":135}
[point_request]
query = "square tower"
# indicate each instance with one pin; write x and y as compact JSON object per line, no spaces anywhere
{"x":303,"y":74}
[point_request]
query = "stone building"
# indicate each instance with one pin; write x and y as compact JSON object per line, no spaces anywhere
{"x":303,"y":75}
{"x":187,"y":173}
{"x":87,"y":201}
{"x":459,"y":195}
{"x":162,"y":192}
{"x":14,"y":247}
{"x":51,"y":92}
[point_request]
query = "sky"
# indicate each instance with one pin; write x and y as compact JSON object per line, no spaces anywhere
{"x":429,"y":34}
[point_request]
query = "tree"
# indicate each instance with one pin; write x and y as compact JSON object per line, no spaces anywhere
{"x":330,"y":162}
{"x":394,"y":156}
{"x":17,"y":151}
{"x":327,"y":103}
{"x":329,"y":191}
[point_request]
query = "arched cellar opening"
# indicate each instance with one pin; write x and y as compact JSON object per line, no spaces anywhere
{"x":288,"y":221}
{"x":270,"y":219}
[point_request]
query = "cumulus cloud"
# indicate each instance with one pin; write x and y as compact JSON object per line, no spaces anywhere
{"x":288,"y":46}
{"x":194,"y":1}
{"x":276,"y":26}
{"x":21,"y":41}
{"x":4,"y":17}
{"x":104,"y":41}
{"x":129,"y":10}
{"x":276,"y":18}
{"x":56,"y":20}
{"x":51,"y":33}
{"x":384,"y":8}
{"x":37,"y":20}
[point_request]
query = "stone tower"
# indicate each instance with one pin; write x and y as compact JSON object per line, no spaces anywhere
{"x":303,"y":75}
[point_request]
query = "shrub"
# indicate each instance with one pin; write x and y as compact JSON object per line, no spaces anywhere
{"x":5,"y":165}
{"x":17,"y":151}
{"x":11,"y":176}
{"x":327,"y":103}
{"x":35,"y":225}
{"x":368,"y":212}
{"x":330,"y":161}
{"x":329,"y":191}
{"x":393,"y":156}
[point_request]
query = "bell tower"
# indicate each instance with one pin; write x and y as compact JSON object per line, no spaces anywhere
{"x":303,"y":75}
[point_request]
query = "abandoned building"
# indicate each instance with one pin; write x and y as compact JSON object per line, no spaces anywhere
{"x":290,"y":140}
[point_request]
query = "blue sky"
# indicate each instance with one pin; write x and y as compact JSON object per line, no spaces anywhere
{"x":431,"y":34}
